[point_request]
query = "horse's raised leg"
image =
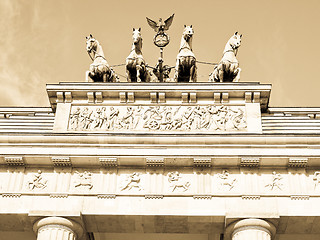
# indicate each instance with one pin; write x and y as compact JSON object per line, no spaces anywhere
{"x":237,"y":78}
{"x":193,"y":74}
{"x":114,"y":77}
{"x":87,"y":76}
{"x":104,"y":77}
{"x":128,"y":76}
{"x":147,"y":75}
{"x":221,"y":73}
{"x":139,"y":68}
{"x":211,"y":77}
{"x":176,"y":73}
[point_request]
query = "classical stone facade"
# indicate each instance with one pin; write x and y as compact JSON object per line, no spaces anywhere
{"x":160,"y":161}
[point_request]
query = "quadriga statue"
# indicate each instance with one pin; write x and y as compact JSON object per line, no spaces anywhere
{"x":228,"y":68}
{"x":135,"y":64}
{"x":100,"y":71}
{"x":186,"y":70}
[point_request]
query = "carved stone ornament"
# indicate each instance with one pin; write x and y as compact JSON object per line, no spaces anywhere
{"x":210,"y":118}
{"x":316,"y":179}
{"x":37,"y":182}
{"x":177,"y":182}
{"x":226,"y":181}
{"x":132,"y":182}
{"x":83,"y":180}
{"x":276,"y":182}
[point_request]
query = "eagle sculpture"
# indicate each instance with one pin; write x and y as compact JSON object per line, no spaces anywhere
{"x":160,"y":26}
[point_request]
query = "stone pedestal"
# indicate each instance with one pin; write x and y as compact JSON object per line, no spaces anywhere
{"x":250,"y":229}
{"x":57,"y":228}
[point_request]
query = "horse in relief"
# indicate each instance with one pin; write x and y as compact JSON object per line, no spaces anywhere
{"x":100,"y":71}
{"x":135,"y":64}
{"x":176,"y":182}
{"x":228,"y":68}
{"x":186,"y":70}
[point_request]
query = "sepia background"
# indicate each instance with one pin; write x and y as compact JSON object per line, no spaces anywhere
{"x":44,"y":42}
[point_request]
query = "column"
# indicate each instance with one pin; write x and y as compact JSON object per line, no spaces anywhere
{"x":250,"y":229}
{"x":57,"y":228}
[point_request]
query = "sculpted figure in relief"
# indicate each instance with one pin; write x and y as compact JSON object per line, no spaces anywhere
{"x":276,"y":181}
{"x":133,"y":181}
{"x":226,"y":179}
{"x":85,"y":118}
{"x":127,"y":119}
{"x":113,"y":118}
{"x":316,"y":179}
{"x":176,"y":181}
{"x":154,"y":118}
{"x":137,"y":115}
{"x":228,"y":68}
{"x":75,"y":119}
{"x":83,"y":179}
{"x":38,"y":181}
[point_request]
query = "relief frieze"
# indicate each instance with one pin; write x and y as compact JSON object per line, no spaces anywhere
{"x":226,"y":181}
{"x":83,"y":179}
{"x":137,"y":182}
{"x":212,"y":118}
{"x":276,"y":182}
{"x":316,"y":179}
{"x":177,"y":183}
{"x":132,"y":182}
{"x":37,"y":181}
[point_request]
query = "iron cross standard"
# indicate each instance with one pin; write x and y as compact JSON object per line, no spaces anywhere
{"x":161,"y":39}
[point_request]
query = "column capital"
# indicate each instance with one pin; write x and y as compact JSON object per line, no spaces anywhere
{"x":53,"y":222}
{"x":249,"y":224}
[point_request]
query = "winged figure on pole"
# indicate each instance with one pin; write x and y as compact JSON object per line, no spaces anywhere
{"x":161,"y":26}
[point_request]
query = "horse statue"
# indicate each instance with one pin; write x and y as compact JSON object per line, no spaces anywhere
{"x":186,"y":70}
{"x":135,"y":64}
{"x":228,"y":68}
{"x":100,"y":71}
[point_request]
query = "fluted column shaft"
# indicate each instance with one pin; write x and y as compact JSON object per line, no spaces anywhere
{"x":250,"y":229}
{"x":57,"y":228}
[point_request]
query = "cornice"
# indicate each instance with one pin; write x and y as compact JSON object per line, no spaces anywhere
{"x":123,"y":93}
{"x":243,"y":140}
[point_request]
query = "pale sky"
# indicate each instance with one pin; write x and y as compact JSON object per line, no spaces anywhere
{"x":43,"y":41}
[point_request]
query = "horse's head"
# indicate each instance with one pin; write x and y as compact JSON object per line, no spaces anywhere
{"x":91,"y":43}
{"x":136,"y":36}
{"x":187,"y":32}
{"x":235,"y":41}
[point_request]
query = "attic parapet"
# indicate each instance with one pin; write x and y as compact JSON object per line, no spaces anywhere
{"x":164,"y":93}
